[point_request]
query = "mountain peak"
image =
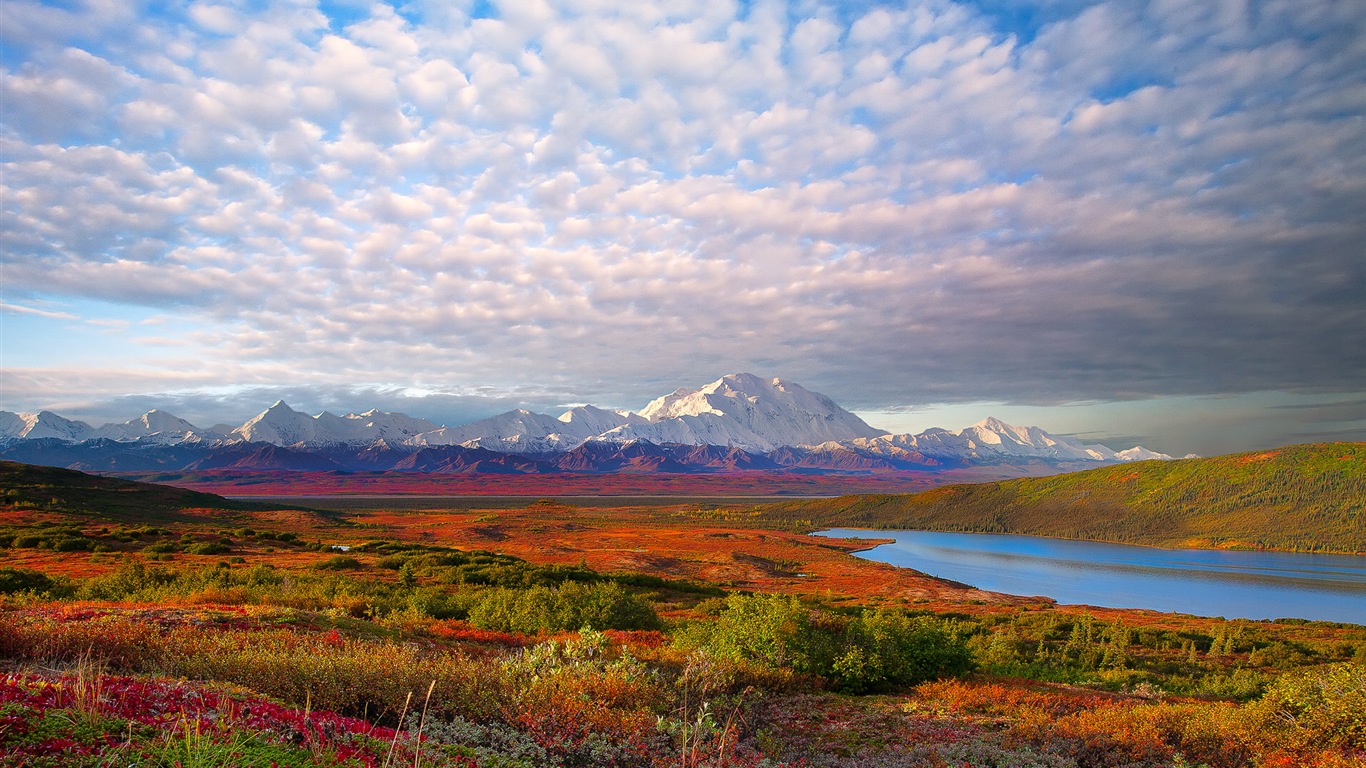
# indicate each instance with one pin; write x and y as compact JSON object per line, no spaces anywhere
{"x":157,"y":426}
{"x":747,"y":383}
{"x":745,"y":411}
{"x":992,"y":440}
{"x":49,"y":424}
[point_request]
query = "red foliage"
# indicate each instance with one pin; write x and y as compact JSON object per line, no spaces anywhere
{"x":454,"y":629}
{"x":163,"y":705}
{"x":637,"y":637}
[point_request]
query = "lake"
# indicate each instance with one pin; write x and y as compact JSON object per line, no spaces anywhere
{"x":1232,"y":584}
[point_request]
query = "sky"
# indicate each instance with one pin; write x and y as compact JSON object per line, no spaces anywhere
{"x":1131,"y":221}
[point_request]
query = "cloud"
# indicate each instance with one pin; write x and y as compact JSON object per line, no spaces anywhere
{"x":894,"y":205}
{"x":22,"y":310}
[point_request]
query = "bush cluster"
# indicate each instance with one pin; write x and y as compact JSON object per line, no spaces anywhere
{"x":18,"y":580}
{"x":570,"y":606}
{"x":876,"y":650}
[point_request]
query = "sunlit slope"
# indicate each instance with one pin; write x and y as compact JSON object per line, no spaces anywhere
{"x":1302,"y":497}
{"x":68,"y":492}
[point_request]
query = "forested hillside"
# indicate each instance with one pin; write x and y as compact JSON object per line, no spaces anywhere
{"x":1303,"y":497}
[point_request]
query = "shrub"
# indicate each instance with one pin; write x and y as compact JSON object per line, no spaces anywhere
{"x":885,"y":649}
{"x":1325,"y":706}
{"x":391,"y":562}
{"x":572,"y":605}
{"x":587,"y":705}
{"x":772,"y":629}
{"x":874,"y":651}
{"x":207,"y":548}
{"x":72,"y":544}
{"x":13,"y":580}
{"x":133,"y":577}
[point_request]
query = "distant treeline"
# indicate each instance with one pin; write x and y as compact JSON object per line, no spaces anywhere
{"x":1302,"y":498}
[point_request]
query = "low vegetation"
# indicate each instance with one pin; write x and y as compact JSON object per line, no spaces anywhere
{"x":1304,"y":497}
{"x":294,"y":640}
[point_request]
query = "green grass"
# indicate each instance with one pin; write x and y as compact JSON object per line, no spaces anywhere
{"x":1303,"y":497}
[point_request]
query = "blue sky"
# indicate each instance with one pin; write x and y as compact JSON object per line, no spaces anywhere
{"x":1136,"y":221}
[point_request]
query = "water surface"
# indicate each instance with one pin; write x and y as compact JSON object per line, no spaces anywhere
{"x":1250,"y":585}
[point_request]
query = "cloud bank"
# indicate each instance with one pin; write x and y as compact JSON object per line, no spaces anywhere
{"x":893,"y":204}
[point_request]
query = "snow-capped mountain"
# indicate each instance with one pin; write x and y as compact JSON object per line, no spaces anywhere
{"x":157,"y":427}
{"x":993,"y":441}
{"x":519,"y":431}
{"x":282,"y":425}
{"x":524,"y":432}
{"x":744,"y":411}
{"x":393,"y":427}
{"x":590,"y":420}
{"x":771,"y":421}
{"x":35,"y":426}
{"x":1139,"y":453}
{"x":12,"y":425}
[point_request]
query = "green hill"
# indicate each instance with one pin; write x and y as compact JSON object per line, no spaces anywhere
{"x":1302,"y":497}
{"x":66,"y":491}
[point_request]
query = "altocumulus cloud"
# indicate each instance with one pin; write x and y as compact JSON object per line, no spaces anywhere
{"x":1080,"y":201}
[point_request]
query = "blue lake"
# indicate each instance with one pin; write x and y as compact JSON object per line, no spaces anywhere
{"x":1249,"y":585}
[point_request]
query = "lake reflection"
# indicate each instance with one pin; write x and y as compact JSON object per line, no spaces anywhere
{"x":1251,"y":585}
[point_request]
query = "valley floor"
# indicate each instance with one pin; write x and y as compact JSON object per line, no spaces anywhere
{"x":377,"y":637}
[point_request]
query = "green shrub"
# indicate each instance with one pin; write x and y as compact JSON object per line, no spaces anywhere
{"x":339,"y":563}
{"x":570,"y":606}
{"x":771,"y":629}
{"x":889,"y":649}
{"x":878,"y":650}
{"x":131,"y":579}
{"x":1325,"y":706}
{"x":72,"y":544}
{"x":207,"y":548}
{"x":14,"y":580}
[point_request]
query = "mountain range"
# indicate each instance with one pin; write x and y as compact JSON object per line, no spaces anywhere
{"x":737,"y":422}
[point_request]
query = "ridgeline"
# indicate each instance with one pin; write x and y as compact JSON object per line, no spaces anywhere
{"x":1301,"y":498}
